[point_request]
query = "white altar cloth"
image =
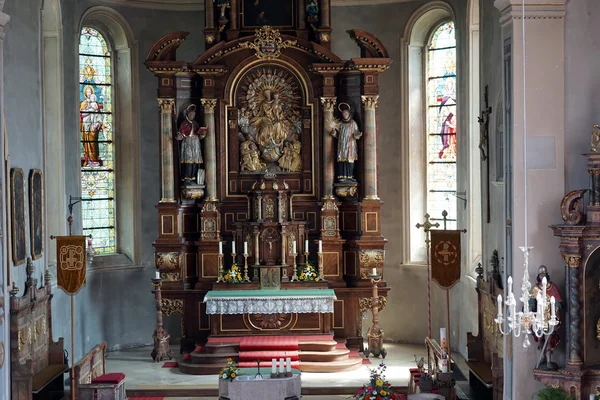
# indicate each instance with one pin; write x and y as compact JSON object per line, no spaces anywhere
{"x":247,"y":388}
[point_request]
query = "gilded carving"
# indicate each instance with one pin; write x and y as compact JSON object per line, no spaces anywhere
{"x":329,"y":205}
{"x":329,"y":223}
{"x":171,"y":306}
{"x":571,"y":260}
{"x":269,"y":208}
{"x":346,"y":191}
{"x":167,"y":106}
{"x":370,"y":102}
{"x":210,"y":38}
{"x":371,"y":258}
{"x":24,"y":337}
{"x":208,"y":207}
{"x":209,"y":105}
{"x":365,"y":304}
{"x":598,"y":329}
{"x":210,"y":225}
{"x":328,"y":103}
{"x":167,"y":260}
{"x":595,"y":142}
{"x":170,"y":276}
{"x":268,"y":43}
{"x":270,"y":321}
{"x":571,"y":207}
{"x":269,"y":121}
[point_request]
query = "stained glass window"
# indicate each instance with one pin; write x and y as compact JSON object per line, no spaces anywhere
{"x":96,"y":148}
{"x":441,"y":123}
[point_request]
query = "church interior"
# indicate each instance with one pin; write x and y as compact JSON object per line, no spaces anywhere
{"x":276,"y":199}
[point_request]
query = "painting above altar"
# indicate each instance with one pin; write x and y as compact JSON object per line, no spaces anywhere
{"x":269,"y":120}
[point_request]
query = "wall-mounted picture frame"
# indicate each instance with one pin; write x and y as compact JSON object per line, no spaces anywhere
{"x":36,"y":213}
{"x":17,"y":206}
{"x":276,"y":13}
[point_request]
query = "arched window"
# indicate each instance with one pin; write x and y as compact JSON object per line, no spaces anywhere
{"x":441,"y":123}
{"x":96,"y":149}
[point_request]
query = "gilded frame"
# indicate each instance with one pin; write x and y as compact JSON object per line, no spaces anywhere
{"x":17,"y":207}
{"x":36,"y":213}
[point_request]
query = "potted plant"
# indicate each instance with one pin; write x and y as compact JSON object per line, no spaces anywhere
{"x":230,"y":371}
{"x":378,"y":388}
{"x":552,"y":393}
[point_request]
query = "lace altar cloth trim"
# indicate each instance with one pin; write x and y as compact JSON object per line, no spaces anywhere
{"x":269,"y":305}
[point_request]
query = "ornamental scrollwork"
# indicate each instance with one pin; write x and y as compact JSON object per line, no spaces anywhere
{"x":370,"y":102}
{"x":372,"y":258}
{"x":268,"y":43}
{"x":168,"y":260}
{"x":270,"y":321}
{"x":595,"y":141}
{"x":170,"y":276}
{"x":328,"y":103}
{"x":572,"y":260}
{"x":167,"y":106}
{"x":172,"y":306}
{"x":571,"y":207}
{"x":365,"y":304}
{"x":209,"y":105}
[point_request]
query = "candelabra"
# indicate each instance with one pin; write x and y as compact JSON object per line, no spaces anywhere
{"x":375,"y":334}
{"x":161,"y":337}
{"x":220,"y":262}
{"x":526,"y":321}
{"x":246,"y":277}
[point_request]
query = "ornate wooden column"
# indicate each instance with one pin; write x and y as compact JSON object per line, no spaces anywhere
{"x":370,"y":147}
{"x":574,"y":349}
{"x":167,"y":107}
{"x":210,"y":149}
{"x":328,"y":104}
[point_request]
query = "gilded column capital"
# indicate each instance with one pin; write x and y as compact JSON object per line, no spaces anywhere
{"x":328,"y":103}
{"x":209,"y":105}
{"x":370,"y":102}
{"x":572,"y":261}
{"x":167,"y":106}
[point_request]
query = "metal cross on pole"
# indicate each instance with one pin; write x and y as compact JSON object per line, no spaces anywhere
{"x":427,"y":225}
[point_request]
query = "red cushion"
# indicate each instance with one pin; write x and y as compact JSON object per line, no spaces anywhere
{"x":115,"y":377}
{"x":413,"y":369}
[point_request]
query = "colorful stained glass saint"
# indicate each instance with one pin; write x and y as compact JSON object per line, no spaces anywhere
{"x":96,"y":149}
{"x":441,"y":123}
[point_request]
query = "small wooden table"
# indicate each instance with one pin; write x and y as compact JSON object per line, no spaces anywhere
{"x":246,"y":387}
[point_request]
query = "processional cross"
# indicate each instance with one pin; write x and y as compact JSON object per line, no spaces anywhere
{"x":484,"y":126}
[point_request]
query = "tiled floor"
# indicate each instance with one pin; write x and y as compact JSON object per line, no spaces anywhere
{"x":144,"y":374}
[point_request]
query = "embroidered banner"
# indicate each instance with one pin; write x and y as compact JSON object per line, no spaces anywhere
{"x":445,"y":257}
{"x":70,"y":251}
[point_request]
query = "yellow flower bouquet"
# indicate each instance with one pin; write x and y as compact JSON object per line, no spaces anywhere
{"x":378,"y":388}
{"x":308,"y":273}
{"x":230,"y":371}
{"x":233,"y":274}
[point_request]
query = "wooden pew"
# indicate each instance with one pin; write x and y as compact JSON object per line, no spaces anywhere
{"x":37,"y":363}
{"x":91,"y":366}
{"x":484,"y":351}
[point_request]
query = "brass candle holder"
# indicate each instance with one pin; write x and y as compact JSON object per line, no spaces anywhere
{"x":161,"y":349}
{"x":284,"y":276}
{"x":295,"y":274}
{"x":321,"y":276}
{"x":375,"y":333}
{"x":220,"y":277}
{"x":246,"y":277}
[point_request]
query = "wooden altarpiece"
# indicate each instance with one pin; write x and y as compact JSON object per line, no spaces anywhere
{"x":269,"y":96}
{"x":580,"y":249}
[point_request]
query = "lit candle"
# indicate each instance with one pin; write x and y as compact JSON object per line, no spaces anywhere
{"x":157,"y":275}
{"x":510,"y":281}
{"x":245,"y":247}
{"x":538,"y":310}
{"x":294,"y":247}
{"x":544,"y":284}
{"x":233,"y":246}
{"x":552,"y":306}
{"x":273,"y":366}
{"x":281,"y":366}
{"x":288,"y":364}
{"x":374,"y":271}
{"x":306,"y":246}
{"x":320,"y":246}
{"x":499,"y":306}
{"x":220,"y":247}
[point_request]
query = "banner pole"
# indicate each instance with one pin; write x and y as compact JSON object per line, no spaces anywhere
{"x":449,"y":331}
{"x":72,"y":347}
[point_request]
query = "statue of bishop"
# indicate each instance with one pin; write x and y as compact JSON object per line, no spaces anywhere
{"x":347,"y":132}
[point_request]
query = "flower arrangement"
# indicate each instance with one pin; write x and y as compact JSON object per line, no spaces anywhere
{"x":308,"y":273}
{"x":233,"y":274}
{"x":378,"y":388}
{"x":229,"y":371}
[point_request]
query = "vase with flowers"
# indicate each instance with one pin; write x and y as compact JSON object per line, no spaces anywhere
{"x":308,"y":273}
{"x":230,"y":371}
{"x":233,"y":274}
{"x":378,"y":388}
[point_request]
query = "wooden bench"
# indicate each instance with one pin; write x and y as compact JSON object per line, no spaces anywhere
{"x":37,"y":363}
{"x":91,"y":366}
{"x":484,"y":351}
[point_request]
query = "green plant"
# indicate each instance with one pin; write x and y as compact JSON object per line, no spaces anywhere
{"x":551,"y":393}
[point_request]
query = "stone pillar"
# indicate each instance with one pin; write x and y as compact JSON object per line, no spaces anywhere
{"x":328,"y":104}
{"x":233,"y":15}
{"x":370,"y":147}
{"x":574,"y":361}
{"x":167,"y":107}
{"x":210,"y":149}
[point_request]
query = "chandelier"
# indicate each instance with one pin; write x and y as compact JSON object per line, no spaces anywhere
{"x":526,"y":321}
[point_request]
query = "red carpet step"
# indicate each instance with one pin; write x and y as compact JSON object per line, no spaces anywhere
{"x":262,"y":343}
{"x":268,"y":355}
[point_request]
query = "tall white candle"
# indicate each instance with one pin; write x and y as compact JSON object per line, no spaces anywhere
{"x":306,"y":246}
{"x":320,"y":246}
{"x":294,"y":247}
{"x":281,"y":366}
{"x":592,"y":396}
{"x":510,"y":281}
{"x":245,"y":247}
{"x":553,"y":306}
{"x":288,"y":364}
{"x":157,"y":275}
{"x":544,"y":284}
{"x":499,"y":306}
{"x":273,"y":366}
{"x":220,"y":247}
{"x":443,"y":343}
{"x":233,"y":246}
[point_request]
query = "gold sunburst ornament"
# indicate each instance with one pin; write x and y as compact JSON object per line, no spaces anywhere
{"x":268,"y":43}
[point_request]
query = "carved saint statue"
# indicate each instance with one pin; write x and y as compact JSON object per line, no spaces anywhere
{"x":547,"y":343}
{"x":189,"y":134}
{"x":347,"y":132}
{"x":312,"y":14}
{"x":291,"y":160}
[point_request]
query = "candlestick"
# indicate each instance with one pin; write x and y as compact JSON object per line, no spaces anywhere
{"x":544,"y":284}
{"x":374,"y":271}
{"x":295,"y":274}
{"x":220,"y":264}
{"x":294,"y":247}
{"x":245,"y":247}
{"x":233,"y":246}
{"x":321,"y":276}
{"x":157,"y":275}
{"x":288,"y":366}
{"x":306,"y":246}
{"x":246,"y":277}
{"x":273,"y":366}
{"x":220,"y":247}
{"x":320,"y":246}
{"x":281,"y":366}
{"x":499,"y":306}
{"x":553,"y":306}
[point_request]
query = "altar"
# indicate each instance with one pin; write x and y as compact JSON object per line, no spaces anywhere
{"x":248,"y":387}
